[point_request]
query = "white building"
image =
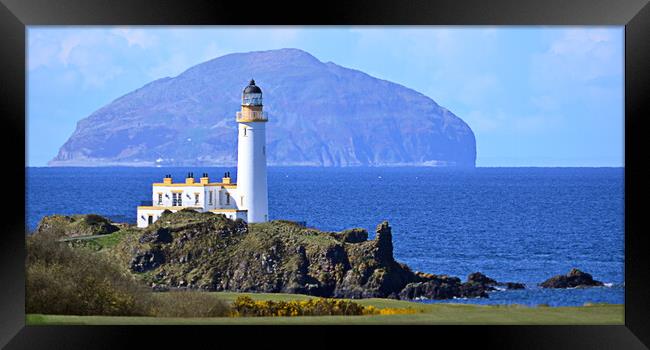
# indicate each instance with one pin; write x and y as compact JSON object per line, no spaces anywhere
{"x":247,"y":199}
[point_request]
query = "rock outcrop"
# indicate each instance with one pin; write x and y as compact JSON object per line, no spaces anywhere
{"x":355,"y":235}
{"x":491,"y":284}
{"x":445,"y":287}
{"x":436,"y":287}
{"x":209,"y":252}
{"x":75,"y":225}
{"x":206,"y":251}
{"x":574,"y":279}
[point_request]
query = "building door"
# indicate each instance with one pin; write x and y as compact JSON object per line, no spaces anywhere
{"x":150,"y":220}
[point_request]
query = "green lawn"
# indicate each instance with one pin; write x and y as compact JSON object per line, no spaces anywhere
{"x":430,"y":314}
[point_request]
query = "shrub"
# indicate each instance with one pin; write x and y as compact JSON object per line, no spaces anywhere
{"x":67,"y":281}
{"x":246,"y":306}
{"x":394,"y":311}
{"x":94,"y":219}
{"x":98,"y":225}
{"x":189,"y":304}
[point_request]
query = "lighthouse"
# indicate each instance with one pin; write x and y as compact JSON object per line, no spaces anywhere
{"x":251,"y":155}
{"x":247,"y":199}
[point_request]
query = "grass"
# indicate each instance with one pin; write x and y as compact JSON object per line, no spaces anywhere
{"x":111,"y":240}
{"x":100,"y":242}
{"x":429,"y":314}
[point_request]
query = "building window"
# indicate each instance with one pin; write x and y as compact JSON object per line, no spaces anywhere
{"x":210,"y":198}
{"x":244,"y":130}
{"x":227,"y":198}
{"x":159,"y":198}
{"x":150,"y":220}
{"x":196,"y":199}
{"x":241,"y":201}
{"x":263,"y":150}
{"x":177,"y":199}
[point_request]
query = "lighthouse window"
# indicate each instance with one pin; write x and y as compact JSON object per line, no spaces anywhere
{"x":244,"y":131}
{"x":210,"y":198}
{"x":263,"y":150}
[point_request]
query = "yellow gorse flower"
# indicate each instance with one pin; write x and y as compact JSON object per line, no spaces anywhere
{"x":246,"y":306}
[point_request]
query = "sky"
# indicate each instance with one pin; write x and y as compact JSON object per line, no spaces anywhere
{"x":533,"y":95}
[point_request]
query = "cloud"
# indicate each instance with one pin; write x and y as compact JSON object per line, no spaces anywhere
{"x":91,"y":57}
{"x":460,"y":59}
{"x":284,"y":36}
{"x":178,"y":61}
{"x":136,"y":37}
{"x":579,"y":56}
{"x":419,"y":44}
{"x":211,"y":51}
{"x":40,"y":51}
{"x":545,"y":102}
{"x":581,"y":41}
{"x":535,"y":123}
{"x":67,"y":46}
{"x":479,"y":89}
{"x":481,"y":122}
{"x":579,"y":76}
{"x":171,"y":66}
{"x":499,"y":121}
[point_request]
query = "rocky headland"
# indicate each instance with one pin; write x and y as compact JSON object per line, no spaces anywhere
{"x":206,"y":251}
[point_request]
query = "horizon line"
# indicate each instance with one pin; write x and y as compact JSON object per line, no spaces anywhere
{"x":337,"y":167}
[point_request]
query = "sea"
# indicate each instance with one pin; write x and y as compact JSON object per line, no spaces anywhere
{"x":512,"y":224}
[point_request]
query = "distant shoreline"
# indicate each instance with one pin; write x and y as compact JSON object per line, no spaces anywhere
{"x":329,"y":167}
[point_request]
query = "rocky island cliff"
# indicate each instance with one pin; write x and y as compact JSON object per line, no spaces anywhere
{"x":320,"y":114}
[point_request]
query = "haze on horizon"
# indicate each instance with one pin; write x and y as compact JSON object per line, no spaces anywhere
{"x":534,"y":96}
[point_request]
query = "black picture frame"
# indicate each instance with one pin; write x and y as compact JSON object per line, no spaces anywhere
{"x":15,"y":15}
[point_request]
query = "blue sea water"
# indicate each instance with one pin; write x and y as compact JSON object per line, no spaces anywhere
{"x":513,"y":224}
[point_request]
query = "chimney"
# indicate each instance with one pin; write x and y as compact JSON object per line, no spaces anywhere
{"x":189,"y":179}
{"x":205,"y":179}
{"x":226,"y":178}
{"x":167,"y":179}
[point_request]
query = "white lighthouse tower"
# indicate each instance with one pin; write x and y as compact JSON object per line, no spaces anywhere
{"x":251,"y":156}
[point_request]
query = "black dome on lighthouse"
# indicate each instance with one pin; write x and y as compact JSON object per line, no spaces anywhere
{"x":252,"y":88}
